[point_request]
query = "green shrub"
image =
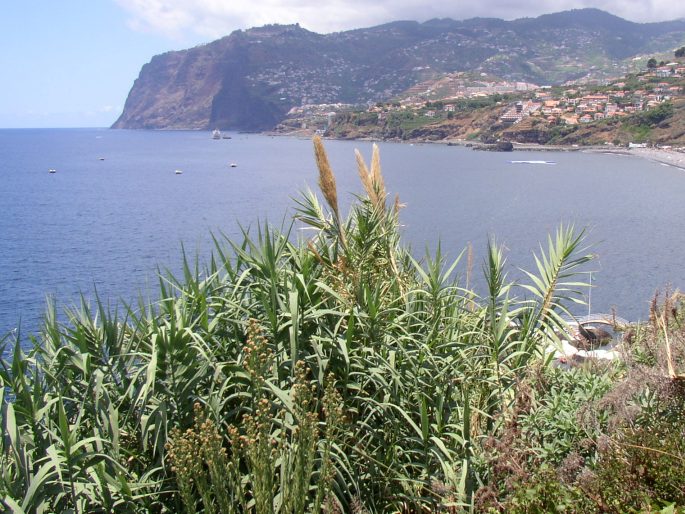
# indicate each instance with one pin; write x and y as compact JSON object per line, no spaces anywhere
{"x":565,"y":417}
{"x":99,"y":408}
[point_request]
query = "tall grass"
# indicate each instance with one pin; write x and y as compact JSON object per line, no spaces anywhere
{"x":338,"y":373}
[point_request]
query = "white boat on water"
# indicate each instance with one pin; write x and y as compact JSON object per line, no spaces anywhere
{"x":52,"y":170}
{"x":532,"y":162}
{"x":178,"y":172}
{"x":233,"y":165}
{"x":216,"y":134}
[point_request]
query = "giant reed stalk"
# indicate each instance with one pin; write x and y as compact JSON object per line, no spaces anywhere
{"x":405,"y":370}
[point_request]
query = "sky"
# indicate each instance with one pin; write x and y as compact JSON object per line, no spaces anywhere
{"x":71,"y":63}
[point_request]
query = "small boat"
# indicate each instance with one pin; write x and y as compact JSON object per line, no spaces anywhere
{"x":226,"y":137}
{"x":532,"y":162}
{"x":216,"y":134}
{"x":178,"y":172}
{"x":101,"y":158}
{"x":52,"y":170}
{"x":233,"y":165}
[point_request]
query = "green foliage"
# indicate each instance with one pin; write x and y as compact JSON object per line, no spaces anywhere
{"x":680,"y":52}
{"x":598,"y":438}
{"x":341,"y":373}
{"x":407,"y":370}
{"x":565,"y":417}
{"x":280,"y":452}
{"x":643,"y":469}
{"x":654,"y":116}
{"x":545,"y":493}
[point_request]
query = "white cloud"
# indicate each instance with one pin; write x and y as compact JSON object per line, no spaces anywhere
{"x":188,"y":19}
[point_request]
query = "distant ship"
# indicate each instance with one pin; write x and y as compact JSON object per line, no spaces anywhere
{"x":216,"y":134}
{"x":532,"y":162}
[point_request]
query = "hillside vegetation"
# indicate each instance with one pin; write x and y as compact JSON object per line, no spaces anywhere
{"x":249,"y":80}
{"x":481,"y":118}
{"x":340,"y":374}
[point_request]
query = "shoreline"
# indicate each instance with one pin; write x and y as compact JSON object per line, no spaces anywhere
{"x":664,"y":156}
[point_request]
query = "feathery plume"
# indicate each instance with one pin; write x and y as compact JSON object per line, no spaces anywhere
{"x":376,"y":175}
{"x":397,"y":206}
{"x":326,"y":176}
{"x":364,"y":175}
{"x":328,"y":186}
{"x":372,"y":180}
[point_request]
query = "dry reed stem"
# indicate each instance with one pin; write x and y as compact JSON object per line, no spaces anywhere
{"x":469,"y":263}
{"x":326,"y":176}
{"x":376,"y":175}
{"x":316,"y":253}
{"x":472,"y":306}
{"x":375,"y":188}
{"x":327,"y":183}
{"x":669,"y":354}
{"x":365,"y":176}
{"x":372,"y":180}
{"x":397,"y":206}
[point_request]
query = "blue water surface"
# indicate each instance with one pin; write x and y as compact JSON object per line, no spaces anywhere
{"x":115,"y":211}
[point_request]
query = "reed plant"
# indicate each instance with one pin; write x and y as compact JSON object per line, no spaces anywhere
{"x":336,"y":373}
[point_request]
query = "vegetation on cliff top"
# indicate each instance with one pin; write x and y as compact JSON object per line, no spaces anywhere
{"x":249,"y":79}
{"x":647,"y":107}
{"x":338,"y":374}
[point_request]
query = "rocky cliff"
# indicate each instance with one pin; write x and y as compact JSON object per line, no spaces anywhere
{"x":250,"y":79}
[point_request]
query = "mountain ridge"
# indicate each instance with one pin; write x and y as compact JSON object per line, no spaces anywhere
{"x":249,"y":79}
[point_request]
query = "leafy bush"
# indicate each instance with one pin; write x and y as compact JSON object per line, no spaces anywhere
{"x":99,"y":411}
{"x":340,"y":373}
{"x":654,"y":116}
{"x":566,"y":418}
{"x":601,"y":438}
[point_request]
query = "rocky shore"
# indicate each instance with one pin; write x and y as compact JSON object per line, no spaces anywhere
{"x":666,"y":156}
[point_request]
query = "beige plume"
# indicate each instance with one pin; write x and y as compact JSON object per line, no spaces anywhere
{"x":328,"y":185}
{"x":372,"y":181}
{"x":326,"y":176}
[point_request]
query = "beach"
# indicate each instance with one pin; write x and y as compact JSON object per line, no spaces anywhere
{"x":665,"y":156}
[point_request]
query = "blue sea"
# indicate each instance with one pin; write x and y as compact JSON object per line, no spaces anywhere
{"x":115,"y":212}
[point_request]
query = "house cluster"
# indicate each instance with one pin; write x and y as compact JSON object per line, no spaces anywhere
{"x":518,"y":111}
{"x":576,"y":106}
{"x":456,"y":86}
{"x":671,"y":69}
{"x":318,"y":115}
{"x":320,"y":109}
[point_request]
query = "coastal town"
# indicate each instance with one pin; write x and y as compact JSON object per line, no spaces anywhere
{"x":444,"y":108}
{"x":573,"y":105}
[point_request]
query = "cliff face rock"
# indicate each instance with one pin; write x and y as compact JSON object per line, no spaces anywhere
{"x":250,"y":79}
{"x":174,"y":90}
{"x":219,"y":85}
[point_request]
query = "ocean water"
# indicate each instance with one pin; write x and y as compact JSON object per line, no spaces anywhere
{"x":115,"y":212}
